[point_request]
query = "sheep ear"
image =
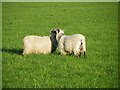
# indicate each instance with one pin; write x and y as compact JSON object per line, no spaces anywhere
{"x":58,"y":30}
{"x":51,"y":31}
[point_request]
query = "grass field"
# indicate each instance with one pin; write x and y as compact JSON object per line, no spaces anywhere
{"x":97,"y":21}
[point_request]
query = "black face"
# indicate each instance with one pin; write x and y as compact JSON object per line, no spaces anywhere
{"x":54,"y":32}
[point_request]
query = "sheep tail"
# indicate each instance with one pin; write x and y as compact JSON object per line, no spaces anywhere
{"x":81,"y":48}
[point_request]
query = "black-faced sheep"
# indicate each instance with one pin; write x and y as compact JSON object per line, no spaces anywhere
{"x":38,"y":44}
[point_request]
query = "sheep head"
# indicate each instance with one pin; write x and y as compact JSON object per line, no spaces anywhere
{"x":57,"y":33}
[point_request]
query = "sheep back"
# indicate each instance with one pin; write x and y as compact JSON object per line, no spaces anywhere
{"x":71,"y":43}
{"x":36,"y":44}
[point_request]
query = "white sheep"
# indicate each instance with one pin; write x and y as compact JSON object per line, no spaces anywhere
{"x":38,"y":44}
{"x":73,"y":44}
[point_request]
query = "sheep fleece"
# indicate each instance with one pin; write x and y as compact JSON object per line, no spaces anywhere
{"x":37,"y":44}
{"x":71,"y":44}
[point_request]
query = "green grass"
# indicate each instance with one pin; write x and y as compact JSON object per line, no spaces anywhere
{"x":97,"y":21}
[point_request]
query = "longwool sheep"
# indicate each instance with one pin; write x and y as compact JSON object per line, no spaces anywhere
{"x":73,"y":44}
{"x":38,"y":44}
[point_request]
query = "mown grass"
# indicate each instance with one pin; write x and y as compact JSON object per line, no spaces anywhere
{"x":97,"y":21}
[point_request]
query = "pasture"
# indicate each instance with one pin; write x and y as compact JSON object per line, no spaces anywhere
{"x":97,"y":21}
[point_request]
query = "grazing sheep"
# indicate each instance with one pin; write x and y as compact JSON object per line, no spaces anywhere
{"x":73,"y":44}
{"x":38,"y":44}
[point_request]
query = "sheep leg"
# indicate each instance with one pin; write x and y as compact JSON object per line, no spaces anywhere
{"x":80,"y":54}
{"x":84,"y":49}
{"x":76,"y":50}
{"x":84,"y":54}
{"x":62,"y":49}
{"x":26,"y":51}
{"x":76,"y":53}
{"x":63,"y":53}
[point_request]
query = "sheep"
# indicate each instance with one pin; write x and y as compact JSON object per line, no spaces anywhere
{"x":37,"y":44}
{"x":72,"y":44}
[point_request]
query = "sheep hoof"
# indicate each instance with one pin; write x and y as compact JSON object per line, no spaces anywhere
{"x":23,"y":54}
{"x":63,"y":53}
{"x":79,"y":55}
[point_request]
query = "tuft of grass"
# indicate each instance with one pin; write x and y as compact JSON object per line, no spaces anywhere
{"x":97,"y":21}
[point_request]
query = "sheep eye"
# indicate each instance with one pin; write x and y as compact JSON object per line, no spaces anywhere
{"x":58,"y":31}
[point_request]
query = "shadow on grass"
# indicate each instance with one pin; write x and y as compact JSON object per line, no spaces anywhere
{"x":14,"y":51}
